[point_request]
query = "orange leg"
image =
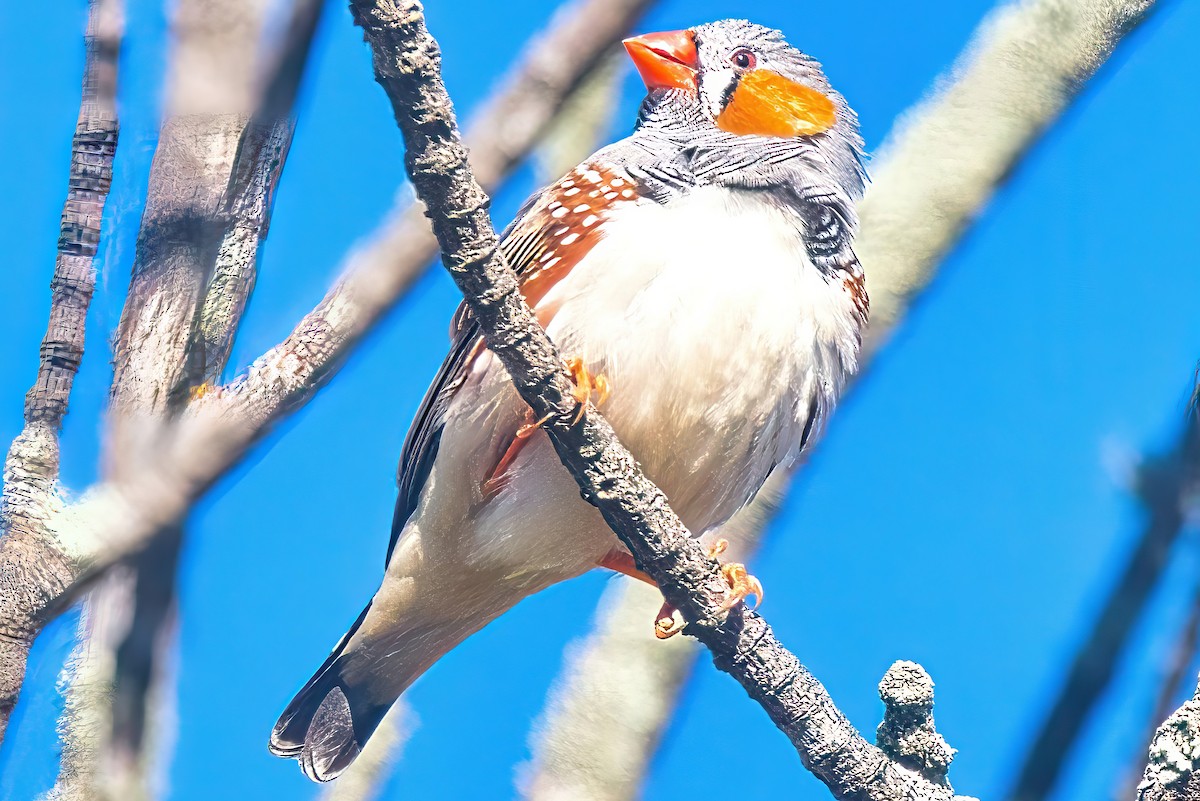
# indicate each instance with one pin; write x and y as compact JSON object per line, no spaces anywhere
{"x":670,"y":622}
{"x":498,"y":475}
{"x":618,"y":561}
{"x":585,"y":385}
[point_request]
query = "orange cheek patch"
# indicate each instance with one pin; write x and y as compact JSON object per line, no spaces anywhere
{"x":766,"y":104}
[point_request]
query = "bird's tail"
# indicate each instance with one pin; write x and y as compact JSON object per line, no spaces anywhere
{"x":395,"y":639}
{"x":328,"y":722}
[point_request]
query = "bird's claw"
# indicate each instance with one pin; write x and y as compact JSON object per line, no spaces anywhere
{"x":668,"y":622}
{"x":585,"y":384}
{"x":741,"y":583}
{"x":741,"y":586}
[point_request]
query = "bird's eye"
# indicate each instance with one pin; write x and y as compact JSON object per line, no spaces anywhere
{"x":743,"y":59}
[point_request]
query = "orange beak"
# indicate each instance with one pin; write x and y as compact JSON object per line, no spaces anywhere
{"x":665,"y":60}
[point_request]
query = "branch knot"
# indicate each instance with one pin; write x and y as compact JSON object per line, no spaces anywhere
{"x":907,"y":734}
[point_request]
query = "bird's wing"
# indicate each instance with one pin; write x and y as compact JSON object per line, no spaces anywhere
{"x":550,"y":235}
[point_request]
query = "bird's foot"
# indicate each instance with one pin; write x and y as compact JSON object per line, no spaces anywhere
{"x":668,"y":622}
{"x":741,"y":584}
{"x":586,"y":383}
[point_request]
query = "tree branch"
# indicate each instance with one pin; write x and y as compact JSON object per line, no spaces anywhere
{"x":1173,"y":772}
{"x":939,"y":166}
{"x":215,"y":431}
{"x":1164,"y":484}
{"x":210,"y":93}
{"x":32,"y":572}
{"x":1026,"y":63}
{"x":246,"y":208}
{"x":609,"y":706}
{"x":407,"y":65}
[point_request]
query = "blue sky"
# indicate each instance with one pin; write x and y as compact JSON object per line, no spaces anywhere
{"x":963,"y":512}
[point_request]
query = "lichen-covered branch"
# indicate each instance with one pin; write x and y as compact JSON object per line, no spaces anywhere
{"x":407,"y":65}
{"x":33,"y":574}
{"x":907,"y":734}
{"x":1173,"y":771}
{"x":1024,"y":65}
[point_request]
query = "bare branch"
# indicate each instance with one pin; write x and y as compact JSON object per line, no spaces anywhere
{"x":1025,"y":64}
{"x":377,"y":274}
{"x":1166,"y":484}
{"x":608,"y":709}
{"x":907,"y":734}
{"x":250,"y":196}
{"x":214,"y":432}
{"x":209,"y":95}
{"x":33,"y":574}
{"x":407,"y":65}
{"x":1178,"y":661}
{"x":603,"y":718}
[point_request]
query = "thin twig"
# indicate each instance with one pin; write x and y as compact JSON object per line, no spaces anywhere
{"x":31,"y":470}
{"x":407,"y":65}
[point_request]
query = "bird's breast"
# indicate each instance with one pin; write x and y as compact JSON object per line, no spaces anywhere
{"x":718,"y":337}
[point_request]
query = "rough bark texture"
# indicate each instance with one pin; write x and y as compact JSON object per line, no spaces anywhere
{"x":246,"y":209}
{"x":32,"y":571}
{"x":67,"y":546}
{"x":1025,"y":64}
{"x":407,"y":65}
{"x":1166,"y":484}
{"x":1173,"y":772}
{"x":609,"y":707}
{"x":907,"y":734}
{"x":382,"y":270}
{"x":210,"y":92}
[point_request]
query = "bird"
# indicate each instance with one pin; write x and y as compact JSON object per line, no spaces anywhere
{"x":701,"y":277}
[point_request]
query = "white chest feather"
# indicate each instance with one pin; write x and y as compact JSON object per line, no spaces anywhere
{"x":720,"y":340}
